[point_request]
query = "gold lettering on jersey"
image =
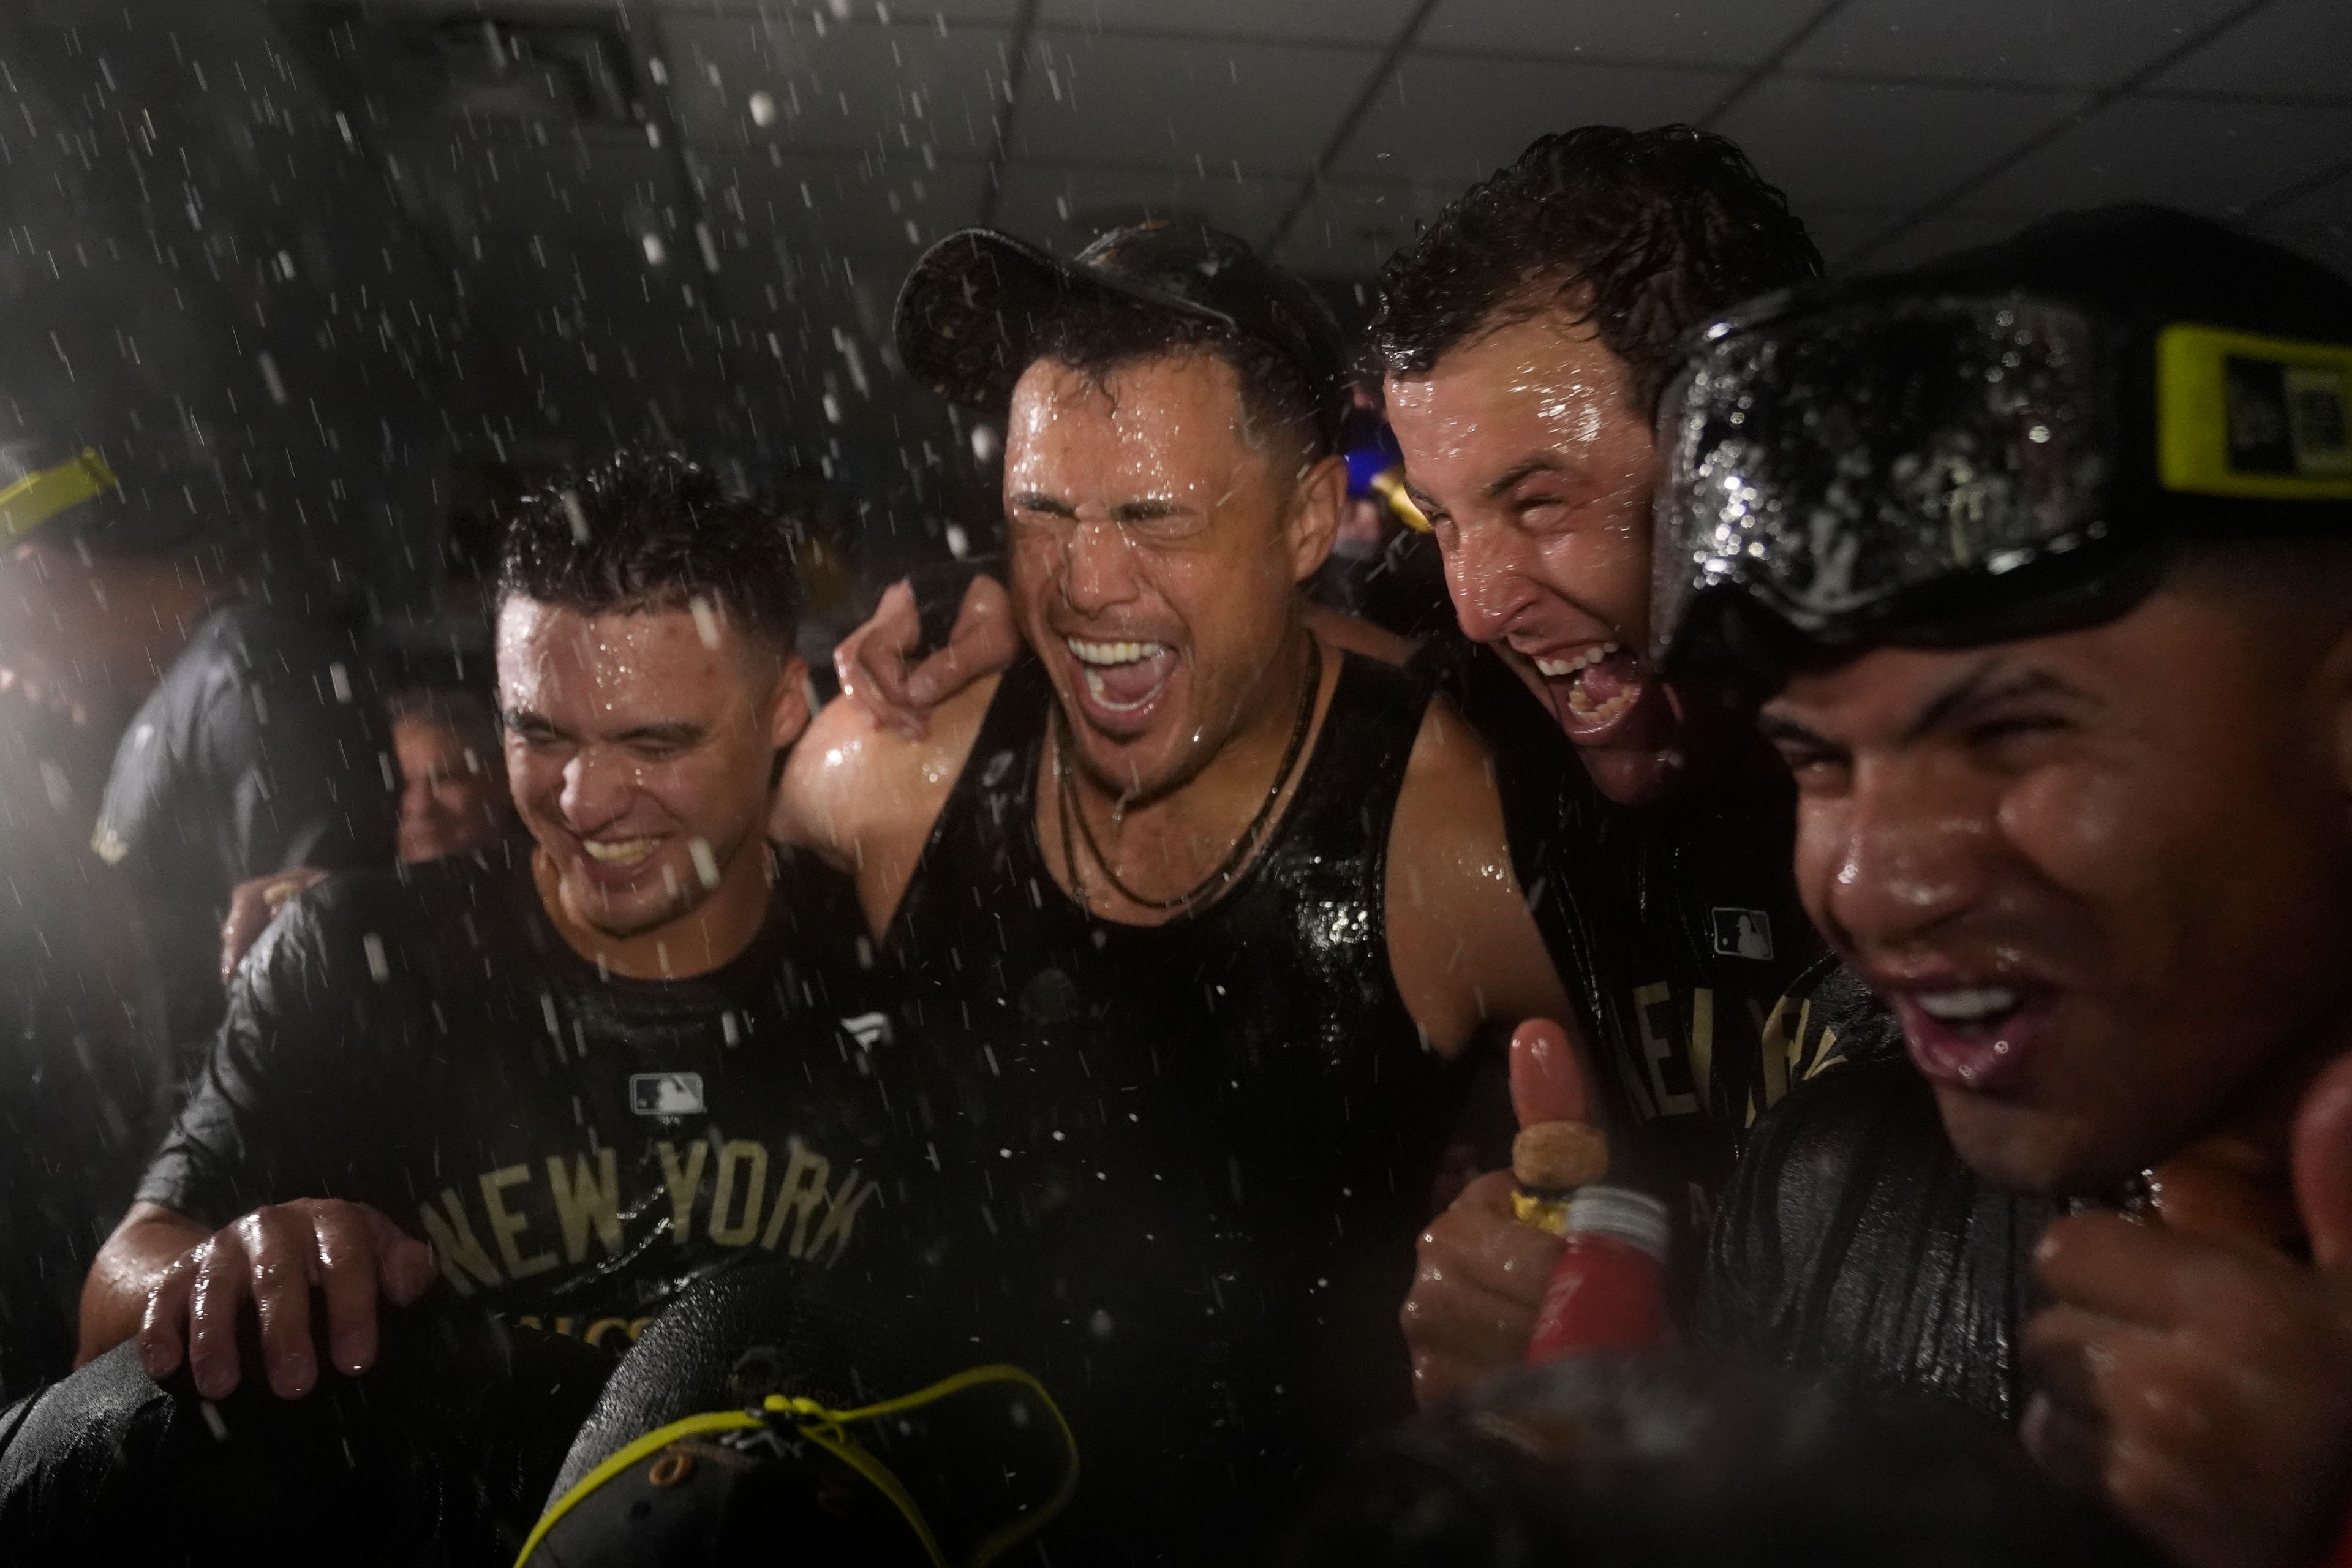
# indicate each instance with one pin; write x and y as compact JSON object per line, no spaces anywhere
{"x":1701,"y":1043}
{"x":840,"y":1214}
{"x":590,"y":1199}
{"x":453,"y":1243}
{"x":1658,"y":1046}
{"x":507,"y":1228}
{"x":683,"y":1185}
{"x":802,"y":1189}
{"x":727,"y":1227}
{"x":1780,"y":1047}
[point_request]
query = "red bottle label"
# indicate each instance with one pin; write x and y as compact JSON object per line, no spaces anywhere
{"x":1604,"y":1295}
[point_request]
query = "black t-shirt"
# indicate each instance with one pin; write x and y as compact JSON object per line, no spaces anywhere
{"x":576,"y":1146}
{"x":263,"y":748}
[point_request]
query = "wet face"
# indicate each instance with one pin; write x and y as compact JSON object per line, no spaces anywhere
{"x":639,"y":748}
{"x":452,"y":798}
{"x":2103,"y":876}
{"x":1156,"y":558}
{"x":1524,"y":448}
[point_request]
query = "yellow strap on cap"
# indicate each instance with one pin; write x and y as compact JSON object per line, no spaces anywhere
{"x":824,"y":1427}
{"x":37,"y":497}
{"x":2243,"y":415}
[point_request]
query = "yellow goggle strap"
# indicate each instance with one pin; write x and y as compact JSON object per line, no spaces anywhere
{"x":825,"y":1428}
{"x":37,"y":497}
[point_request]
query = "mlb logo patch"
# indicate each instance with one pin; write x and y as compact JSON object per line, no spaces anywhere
{"x":665,"y":1093}
{"x":1742,"y":933}
{"x":868,"y":1029}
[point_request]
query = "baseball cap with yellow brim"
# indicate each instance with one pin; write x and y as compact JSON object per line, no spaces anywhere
{"x":1996,"y":445}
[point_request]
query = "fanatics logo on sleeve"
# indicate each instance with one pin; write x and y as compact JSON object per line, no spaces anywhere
{"x":665,"y":1093}
{"x":1742,"y":933}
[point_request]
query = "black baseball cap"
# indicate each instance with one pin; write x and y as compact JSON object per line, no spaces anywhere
{"x":972,"y":312}
{"x":2000,"y":444}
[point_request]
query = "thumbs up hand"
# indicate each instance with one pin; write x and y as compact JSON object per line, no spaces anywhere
{"x":1481,"y":1274}
{"x":2203,"y":1387}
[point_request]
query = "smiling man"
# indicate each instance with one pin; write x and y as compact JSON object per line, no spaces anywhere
{"x":1220,"y":903}
{"x":552,"y":1081}
{"x":2042,"y":556}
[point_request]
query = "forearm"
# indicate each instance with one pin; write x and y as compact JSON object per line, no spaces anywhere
{"x":114,"y":1297}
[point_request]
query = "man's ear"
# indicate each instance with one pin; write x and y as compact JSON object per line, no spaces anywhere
{"x":788,"y":711}
{"x":1315,"y":503}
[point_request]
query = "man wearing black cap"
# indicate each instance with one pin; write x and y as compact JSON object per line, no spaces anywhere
{"x":1219,"y":903}
{"x":2042,"y":559}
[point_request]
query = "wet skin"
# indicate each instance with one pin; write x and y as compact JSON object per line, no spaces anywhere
{"x":2106,"y":879}
{"x":1146,"y":521}
{"x":1524,"y":447}
{"x":650,"y":733}
{"x":1165,"y":529}
{"x":638,"y":748}
{"x":2130,"y":839}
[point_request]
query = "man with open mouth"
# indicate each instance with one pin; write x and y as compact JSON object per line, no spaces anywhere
{"x":2041,"y":559}
{"x":1218,"y":902}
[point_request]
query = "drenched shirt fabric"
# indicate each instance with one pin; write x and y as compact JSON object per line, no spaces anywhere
{"x":263,"y":748}
{"x":1678,"y":929}
{"x":1203,"y":1148}
{"x":1855,"y":1244}
{"x":574,"y":1145}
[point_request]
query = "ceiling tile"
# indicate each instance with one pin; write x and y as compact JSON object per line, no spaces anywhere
{"x":1935,"y":235}
{"x":1064,"y":207}
{"x":2023,"y":41}
{"x":1449,"y":121}
{"x":1349,"y":229}
{"x":1855,"y":144}
{"x":514,"y":187}
{"x":1691,"y":32}
{"x":1104,"y":98}
{"x":2210,"y":155}
{"x":855,"y":88}
{"x":2289,"y":47}
{"x":2327,"y":203}
{"x":881,"y":214}
{"x":1841,"y":231}
{"x":1321,"y":21}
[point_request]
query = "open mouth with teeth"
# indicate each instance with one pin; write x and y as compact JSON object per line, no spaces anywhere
{"x":1595,"y":689}
{"x":617,"y":859}
{"x":1121,"y":683}
{"x":1979,"y":1037}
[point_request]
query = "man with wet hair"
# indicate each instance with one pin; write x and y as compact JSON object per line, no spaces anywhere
{"x":1220,"y":903}
{"x":2040,"y":558}
{"x":585,"y":1067}
{"x":1524,"y":335}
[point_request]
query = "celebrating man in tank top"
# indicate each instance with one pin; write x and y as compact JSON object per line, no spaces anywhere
{"x":1218,"y":903}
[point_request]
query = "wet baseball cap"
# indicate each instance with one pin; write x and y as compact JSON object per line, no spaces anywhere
{"x":973,"y":314}
{"x":1996,"y":445}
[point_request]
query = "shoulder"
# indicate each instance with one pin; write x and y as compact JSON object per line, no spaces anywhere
{"x":848,"y":778}
{"x":1345,"y":631}
{"x":378,"y":923}
{"x":1449,"y":778}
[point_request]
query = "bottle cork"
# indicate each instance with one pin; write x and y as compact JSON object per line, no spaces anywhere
{"x":1550,"y":1161}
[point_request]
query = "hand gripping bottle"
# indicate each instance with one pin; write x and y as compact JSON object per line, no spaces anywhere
{"x":1608,"y":1292}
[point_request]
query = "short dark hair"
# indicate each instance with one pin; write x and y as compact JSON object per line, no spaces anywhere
{"x":462,"y":710}
{"x":1652,"y":232}
{"x":1281,"y":413}
{"x":643,"y":532}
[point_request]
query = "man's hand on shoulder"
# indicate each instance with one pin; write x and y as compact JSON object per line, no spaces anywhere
{"x":253,"y":904}
{"x":863,"y":798}
{"x":273,"y":1257}
{"x":881,"y":678}
{"x":1466,"y":952}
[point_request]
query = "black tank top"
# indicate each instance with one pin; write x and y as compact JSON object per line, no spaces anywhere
{"x":1678,"y":928}
{"x":1202,"y":1148}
